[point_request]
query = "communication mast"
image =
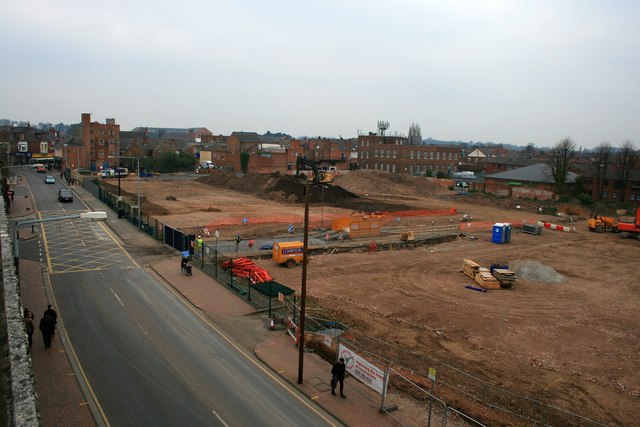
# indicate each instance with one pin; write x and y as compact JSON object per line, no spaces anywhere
{"x":382,"y":127}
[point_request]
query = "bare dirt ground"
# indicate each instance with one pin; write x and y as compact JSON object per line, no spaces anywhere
{"x":573,"y":344}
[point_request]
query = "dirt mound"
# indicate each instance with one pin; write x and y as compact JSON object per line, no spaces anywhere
{"x":534,"y":270}
{"x":374,"y":182}
{"x":277,"y":187}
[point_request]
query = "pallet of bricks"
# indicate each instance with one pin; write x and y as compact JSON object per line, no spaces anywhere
{"x":481,"y":275}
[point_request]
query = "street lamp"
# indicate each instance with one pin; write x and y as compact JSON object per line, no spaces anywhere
{"x":93,"y":216}
{"x":137,"y":159}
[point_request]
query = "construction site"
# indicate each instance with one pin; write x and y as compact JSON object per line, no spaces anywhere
{"x":528,"y":302}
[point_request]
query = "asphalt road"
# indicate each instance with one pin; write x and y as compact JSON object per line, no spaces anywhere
{"x":148,"y":358}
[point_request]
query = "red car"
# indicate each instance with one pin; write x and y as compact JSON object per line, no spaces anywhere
{"x":41,"y":169}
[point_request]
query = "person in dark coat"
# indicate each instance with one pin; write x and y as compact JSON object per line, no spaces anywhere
{"x":47,"y":326}
{"x":338,"y":372}
{"x":52,"y":313}
{"x":28,"y":324}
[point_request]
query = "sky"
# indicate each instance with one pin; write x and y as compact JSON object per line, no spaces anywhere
{"x":513,"y":72}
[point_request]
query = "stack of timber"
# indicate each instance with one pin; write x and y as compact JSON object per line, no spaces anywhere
{"x":486,"y":280}
{"x":505,"y":277}
{"x":470,"y":268}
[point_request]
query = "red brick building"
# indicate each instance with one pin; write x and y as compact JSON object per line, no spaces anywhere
{"x":93,"y":145}
{"x":393,"y":154}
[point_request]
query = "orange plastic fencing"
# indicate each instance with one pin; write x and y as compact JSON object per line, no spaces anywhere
{"x":488,"y":226}
{"x":326,"y":218}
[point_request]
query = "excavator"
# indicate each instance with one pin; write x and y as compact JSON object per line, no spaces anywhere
{"x":630,"y":229}
{"x":303,"y":163}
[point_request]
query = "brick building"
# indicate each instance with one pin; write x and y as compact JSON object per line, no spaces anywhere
{"x":97,"y":144}
{"x":20,"y":144}
{"x":393,"y":154}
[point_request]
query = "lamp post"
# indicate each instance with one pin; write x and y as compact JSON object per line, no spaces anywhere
{"x":94,"y":216}
{"x":137,"y":159}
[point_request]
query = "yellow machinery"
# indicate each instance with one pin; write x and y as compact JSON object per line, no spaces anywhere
{"x":601,"y":223}
{"x":289,"y":253}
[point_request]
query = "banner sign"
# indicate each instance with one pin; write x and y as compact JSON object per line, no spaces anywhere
{"x":363,"y":370}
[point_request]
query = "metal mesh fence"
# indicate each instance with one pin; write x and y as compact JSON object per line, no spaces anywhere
{"x":412,"y":397}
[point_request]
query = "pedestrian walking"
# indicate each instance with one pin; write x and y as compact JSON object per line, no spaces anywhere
{"x":52,"y":313}
{"x":28,"y":324}
{"x":47,"y":327}
{"x":338,"y":371}
{"x":237,"y":239}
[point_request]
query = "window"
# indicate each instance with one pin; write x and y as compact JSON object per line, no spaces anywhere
{"x":437,"y":155}
{"x":604,"y":194}
{"x":110,"y":133}
{"x":100,"y":133}
{"x":375,"y":153}
{"x":23,"y":147}
{"x":431,"y":155}
{"x":411,"y":154}
{"x":393,"y":169}
{"x":450,"y":154}
{"x":101,"y":153}
{"x":44,"y":147}
{"x":388,"y":153}
{"x":615,"y":195}
{"x":394,"y":154}
{"x":101,"y":142}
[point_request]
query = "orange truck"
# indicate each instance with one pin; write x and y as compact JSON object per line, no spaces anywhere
{"x":289,"y":253}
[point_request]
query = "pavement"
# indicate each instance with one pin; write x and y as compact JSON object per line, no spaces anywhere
{"x":62,"y":392}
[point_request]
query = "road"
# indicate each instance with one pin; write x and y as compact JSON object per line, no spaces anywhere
{"x":148,"y":357}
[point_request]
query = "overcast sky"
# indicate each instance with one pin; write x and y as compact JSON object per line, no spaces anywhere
{"x":503,"y":71}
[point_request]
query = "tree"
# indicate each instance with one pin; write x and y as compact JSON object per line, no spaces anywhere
{"x":600,"y":161}
{"x":415,"y":136}
{"x":562,"y":153}
{"x":627,"y":158}
{"x":244,"y":161}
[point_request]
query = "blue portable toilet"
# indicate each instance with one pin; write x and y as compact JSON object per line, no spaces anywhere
{"x":498,"y":233}
{"x":507,"y":232}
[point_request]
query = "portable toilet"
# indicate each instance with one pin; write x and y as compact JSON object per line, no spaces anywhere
{"x":507,"y":232}
{"x":498,"y":233}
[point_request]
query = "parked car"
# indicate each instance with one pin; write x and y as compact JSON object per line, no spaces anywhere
{"x":41,"y":169}
{"x":82,"y":171}
{"x":49,"y":179}
{"x":65,"y":195}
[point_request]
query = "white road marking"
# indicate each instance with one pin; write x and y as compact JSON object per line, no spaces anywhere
{"x":220,"y":419}
{"x":117,"y":297}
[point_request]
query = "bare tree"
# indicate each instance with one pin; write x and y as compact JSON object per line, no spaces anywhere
{"x":601,"y":161}
{"x":415,"y":136}
{"x":627,"y":158}
{"x":562,"y":153}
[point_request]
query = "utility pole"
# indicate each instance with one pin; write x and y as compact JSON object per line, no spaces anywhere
{"x":303,"y":293}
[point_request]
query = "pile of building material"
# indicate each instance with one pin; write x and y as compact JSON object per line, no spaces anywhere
{"x":485,"y":279}
{"x":505,"y":277}
{"x":489,"y":279}
{"x":532,"y":228}
{"x":470,"y":268}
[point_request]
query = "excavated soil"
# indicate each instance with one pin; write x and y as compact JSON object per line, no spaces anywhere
{"x":567,"y":334}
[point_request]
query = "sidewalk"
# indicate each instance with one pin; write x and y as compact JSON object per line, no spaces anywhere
{"x":60,"y":392}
